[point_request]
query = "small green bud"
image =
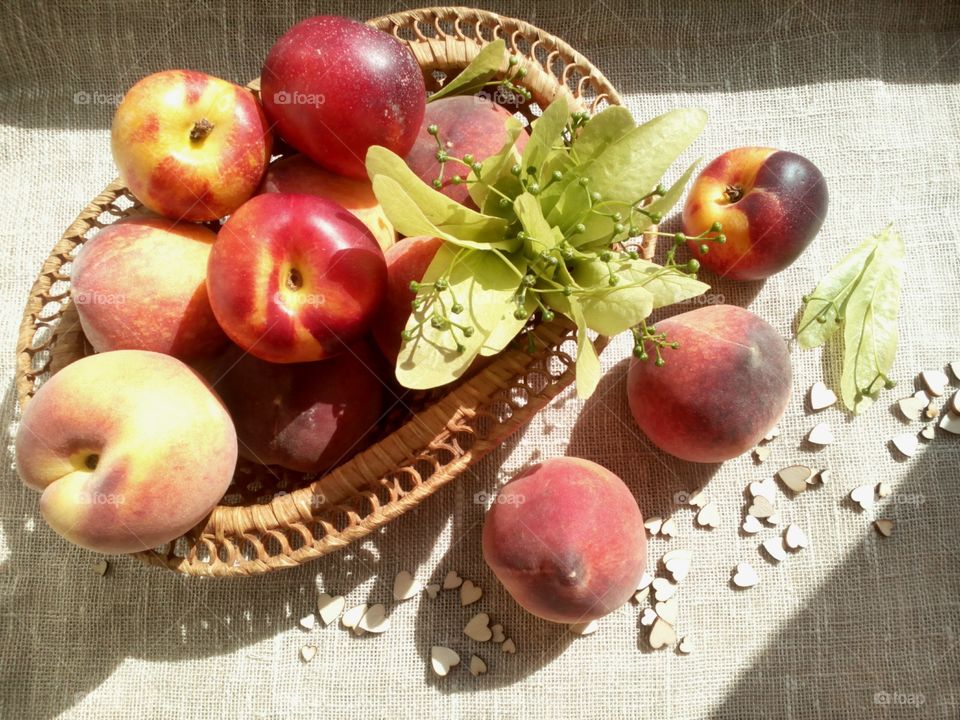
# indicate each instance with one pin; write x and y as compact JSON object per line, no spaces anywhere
{"x":439,"y":322}
{"x":529,"y":280}
{"x":520,"y":314}
{"x":547,"y":315}
{"x":579,"y":228}
{"x":441,"y":284}
{"x":514,"y":60}
{"x":468,"y":331}
{"x":821,"y":319}
{"x":468,"y":159}
{"x":674,"y":345}
{"x":660,"y":190}
{"x":634,"y":231}
{"x":567,"y":290}
{"x":461,"y":348}
{"x":619,"y":228}
{"x":456,"y":180}
{"x":516,"y":170}
{"x":416,"y":303}
{"x":613,"y":280}
{"x":721,"y":239}
{"x":633,"y":255}
{"x":596,"y":197}
{"x":584,"y":181}
{"x":437,"y":184}
{"x":521,"y":72}
{"x":655,"y":217}
{"x":557,"y":175}
{"x":414,"y":286}
{"x":806,"y":298}
{"x":406,"y":335}
{"x":433,"y":129}
{"x":456,"y":308}
{"x":476,"y":167}
{"x":679,"y":238}
{"x":704,"y":248}
{"x":531,"y":170}
{"x":606,"y":256}
{"x":660,"y":362}
{"x":617,"y":217}
{"x":716,"y":227}
{"x":693,"y":265}
{"x":639,"y":352}
{"x":442,"y":156}
{"x":533,"y":188}
{"x":504,"y":203}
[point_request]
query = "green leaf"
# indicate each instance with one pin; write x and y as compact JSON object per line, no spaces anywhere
{"x":484,"y":283}
{"x":629,"y":169}
{"x":665,"y":202}
{"x":870,"y":325}
{"x":542,"y":234}
{"x":508,"y":328}
{"x":474,"y":76}
{"x":546,"y":133}
{"x":666,"y":285}
{"x":822,"y":313}
{"x":497,"y":167}
{"x":588,"y":371}
{"x":603,"y":130}
{"x":449,"y":216}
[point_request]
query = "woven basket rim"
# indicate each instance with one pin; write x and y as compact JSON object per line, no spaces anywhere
{"x":456,"y":412}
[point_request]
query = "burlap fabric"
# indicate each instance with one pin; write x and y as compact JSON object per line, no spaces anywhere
{"x":853,"y":627}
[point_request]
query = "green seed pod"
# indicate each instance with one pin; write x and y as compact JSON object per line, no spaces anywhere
{"x":557,"y":175}
{"x":704,"y":248}
{"x":468,"y":159}
{"x":516,"y":170}
{"x":618,"y":228}
{"x":433,"y":129}
{"x":437,"y":184}
{"x":716,"y":227}
{"x":468,"y":331}
{"x":660,"y":362}
{"x":456,"y":308}
{"x":533,"y":188}
{"x":440,"y":284}
{"x":693,"y":265}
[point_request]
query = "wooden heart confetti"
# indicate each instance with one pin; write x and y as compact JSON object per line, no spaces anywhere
{"x":761,"y":453}
{"x":375,"y":619}
{"x":677,"y":563}
{"x":795,"y":538}
{"x":795,"y":477}
{"x":773,"y":519}
{"x":823,"y":477}
{"x":821,"y":397}
{"x":645,"y":580}
{"x":950,"y":423}
{"x":906,"y":443}
{"x":883,"y":489}
{"x":698,"y":498}
{"x":929,"y":432}
{"x":751,"y":525}
{"x":308,"y":622}
{"x":640,"y":595}
{"x":745,"y":576}
{"x":775,"y":549}
{"x":653,"y":525}
{"x":708,"y":516}
{"x":885,"y":527}
{"x":935,"y":381}
{"x":352,"y":617}
{"x":308,"y":652}
{"x":669,"y":528}
{"x":955,"y":369}
{"x":442,"y":659}
{"x":761,"y":507}
{"x":863,"y":496}
{"x":763,"y":488}
{"x":498,"y":636}
{"x":509,"y":646}
{"x":479,"y":628}
{"x":911,"y":407}
{"x":662,"y":634}
{"x":648,"y":617}
{"x":820,"y":435}
{"x":686,"y":645}
{"x":586,"y":628}
{"x":433,"y":589}
{"x":668,"y":610}
{"x":100,"y":567}
{"x":955,"y":403}
{"x":469,"y":593}
{"x":404,"y":586}
{"x":477,"y":666}
{"x":663,"y":589}
{"x":330,"y":607}
{"x":773,"y":434}
{"x":452,"y":580}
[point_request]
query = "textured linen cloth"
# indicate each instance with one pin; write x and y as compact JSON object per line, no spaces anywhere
{"x":855,"y":626}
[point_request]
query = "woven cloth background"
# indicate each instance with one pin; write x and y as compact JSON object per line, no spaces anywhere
{"x":856,"y":626}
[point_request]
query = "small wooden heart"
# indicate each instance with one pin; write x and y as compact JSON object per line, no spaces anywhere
{"x":308,"y":652}
{"x":653,"y":525}
{"x":498,"y":636}
{"x":479,"y":628}
{"x":795,"y":538}
{"x":885,"y":527}
{"x":950,"y":423}
{"x":375,"y":619}
{"x":751,"y":525}
{"x":100,"y":567}
{"x":863,"y":496}
{"x":308,"y":622}
{"x":442,"y":659}
{"x":761,"y":507}
{"x":452,"y":580}
{"x":820,"y":434}
{"x":509,"y":646}
{"x":906,"y":443}
{"x":352,"y":617}
{"x":648,"y":617}
{"x":709,"y":516}
{"x":669,"y":528}
{"x":432,"y":590}
{"x":477,"y":666}
{"x":686,"y":645}
{"x":662,"y":634}
{"x":935,"y":381}
{"x":469,"y":593}
{"x":585,"y":628}
{"x":795,"y":477}
{"x":668,"y":610}
{"x":774,"y":548}
{"x":663,"y":589}
{"x":745,"y":576}
{"x":911,"y":407}
{"x":763,"y":488}
{"x":330,"y":607}
{"x":404,"y":586}
{"x":677,"y":563}
{"x":821,"y":397}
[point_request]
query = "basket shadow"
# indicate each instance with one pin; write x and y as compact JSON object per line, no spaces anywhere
{"x":71,"y":628}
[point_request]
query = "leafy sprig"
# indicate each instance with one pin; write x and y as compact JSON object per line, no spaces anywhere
{"x":861,"y":295}
{"x":557,"y":232}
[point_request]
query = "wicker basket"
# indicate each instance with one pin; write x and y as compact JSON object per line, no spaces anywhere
{"x":271,"y":518}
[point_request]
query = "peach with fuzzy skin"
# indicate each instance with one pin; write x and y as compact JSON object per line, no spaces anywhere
{"x":303,"y":416}
{"x":130,"y":449}
{"x":719,"y":392}
{"x":566,"y":539}
{"x":140,"y":284}
{"x":467,"y":125}
{"x":190,"y":146}
{"x":295,"y":278}
{"x":297,"y":174}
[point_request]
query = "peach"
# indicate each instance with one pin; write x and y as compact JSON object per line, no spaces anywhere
{"x":190,"y":146}
{"x":303,"y":416}
{"x":566,"y":539}
{"x":719,"y":392}
{"x":406,"y":261}
{"x":140,"y":284}
{"x":295,"y":278}
{"x":466,"y":125}
{"x":296,"y":174}
{"x":769,"y":203}
{"x":130,"y":449}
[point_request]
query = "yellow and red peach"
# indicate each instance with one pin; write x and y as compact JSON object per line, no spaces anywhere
{"x":406,"y":261}
{"x":566,"y":539}
{"x":130,"y":449}
{"x":770,"y":205}
{"x":297,"y":174}
{"x":295,"y":278}
{"x":466,"y":125}
{"x":190,"y":146}
{"x":719,"y":392}
{"x":140,"y":284}
{"x":303,"y":416}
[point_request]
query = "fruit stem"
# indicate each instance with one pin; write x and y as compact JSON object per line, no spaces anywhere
{"x":201,"y":128}
{"x":733,"y":192}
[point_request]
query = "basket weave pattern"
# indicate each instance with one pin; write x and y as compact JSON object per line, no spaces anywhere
{"x":272,"y":518}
